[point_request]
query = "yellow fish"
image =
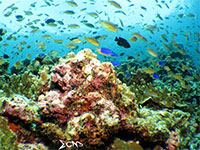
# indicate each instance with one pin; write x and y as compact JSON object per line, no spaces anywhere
{"x":140,"y":37}
{"x":115,"y":4}
{"x":72,"y":3}
{"x":109,"y":26}
{"x":152,"y":52}
{"x":93,"y":14}
{"x":18,"y":64}
{"x":74,"y":26}
{"x":151,"y":93}
{"x":177,"y":76}
{"x":46,"y":36}
{"x":133,"y":39}
{"x":70,"y":46}
{"x":2,"y":61}
{"x":148,"y":70}
{"x":167,"y":68}
{"x":75,"y":41}
{"x":92,"y":41}
{"x":58,"y":41}
{"x":182,"y":52}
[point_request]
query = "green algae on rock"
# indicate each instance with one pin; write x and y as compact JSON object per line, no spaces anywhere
{"x":8,"y":139}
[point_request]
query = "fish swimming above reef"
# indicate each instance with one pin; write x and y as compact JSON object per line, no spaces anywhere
{"x":122,"y":42}
{"x":115,"y":63}
{"x":140,"y":37}
{"x":115,"y":4}
{"x":150,"y":93}
{"x":106,"y":52}
{"x":109,"y":26}
{"x":152,"y":52}
{"x":92,"y":41}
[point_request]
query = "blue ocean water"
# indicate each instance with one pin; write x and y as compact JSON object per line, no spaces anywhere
{"x":138,"y":16}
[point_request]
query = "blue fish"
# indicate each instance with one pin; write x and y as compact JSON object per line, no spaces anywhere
{"x":115,"y":63}
{"x":127,"y":75}
{"x":161,"y":63}
{"x":106,"y":52}
{"x":41,"y":55}
{"x":155,"y":76}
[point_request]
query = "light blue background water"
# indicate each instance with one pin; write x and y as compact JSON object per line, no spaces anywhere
{"x":133,"y":22}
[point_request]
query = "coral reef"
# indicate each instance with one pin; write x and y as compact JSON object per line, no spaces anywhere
{"x":82,"y":100}
{"x":25,"y":84}
{"x":8,"y":139}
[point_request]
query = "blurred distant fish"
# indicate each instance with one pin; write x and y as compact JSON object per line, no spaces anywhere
{"x":167,"y":68}
{"x":18,"y":64}
{"x":120,"y":12}
{"x":101,"y":37}
{"x":109,"y":26}
{"x":10,"y":6}
{"x":72,"y":46}
{"x":89,"y":25}
{"x":133,"y":39}
{"x":93,"y":14}
{"x":59,"y":41}
{"x":73,"y":26}
{"x":166,"y":46}
{"x":115,"y":4}
{"x":140,"y":37}
{"x":122,"y":42}
{"x":46,"y":36}
{"x":198,"y":51}
{"x":182,"y":51}
{"x":106,"y":52}
{"x":191,"y":15}
{"x":69,"y":12}
{"x":28,"y":13}
{"x":6,"y":56}
{"x":144,"y":8}
{"x":152,"y":52}
{"x":164,"y":37}
{"x":40,"y":44}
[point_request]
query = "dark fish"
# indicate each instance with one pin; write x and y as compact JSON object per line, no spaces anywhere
{"x":2,"y":31}
{"x":122,"y":42}
{"x":50,"y":21}
{"x":130,"y":57}
{"x":1,"y":39}
{"x":19,"y":18}
{"x":5,"y":56}
{"x":121,"y":54}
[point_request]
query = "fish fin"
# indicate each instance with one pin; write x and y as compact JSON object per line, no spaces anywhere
{"x":116,"y":39}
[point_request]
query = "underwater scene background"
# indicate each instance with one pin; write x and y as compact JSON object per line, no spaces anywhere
{"x":100,"y":74}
